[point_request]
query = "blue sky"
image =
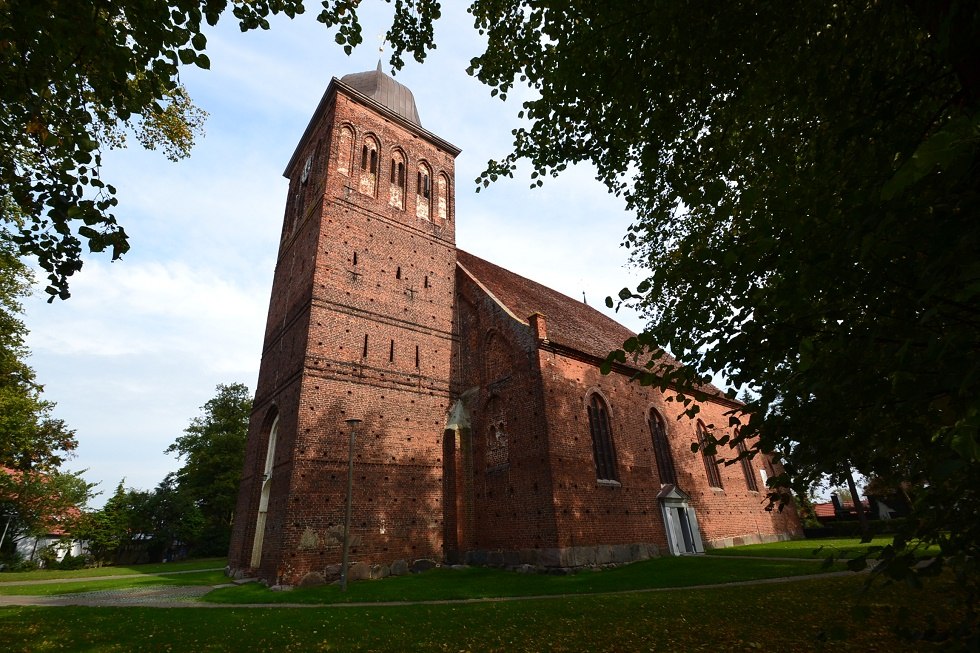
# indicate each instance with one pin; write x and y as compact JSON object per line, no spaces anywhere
{"x":143,"y":342}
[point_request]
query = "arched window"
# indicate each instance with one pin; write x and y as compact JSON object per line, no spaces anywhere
{"x":497,"y":452}
{"x":602,"y":446}
{"x":396,"y":184}
{"x":747,"y":470}
{"x":710,"y":464}
{"x":442,"y":197}
{"x":423,"y":192}
{"x":661,"y":449}
{"x":369,"y":166}
{"x":345,"y":150}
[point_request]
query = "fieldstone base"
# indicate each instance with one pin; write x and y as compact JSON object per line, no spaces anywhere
{"x":725,"y":542}
{"x":572,"y":557}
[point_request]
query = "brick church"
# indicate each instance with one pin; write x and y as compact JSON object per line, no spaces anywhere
{"x":487,"y":433}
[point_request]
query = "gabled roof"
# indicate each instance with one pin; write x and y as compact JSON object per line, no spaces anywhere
{"x":671,"y":491}
{"x":569,"y":322}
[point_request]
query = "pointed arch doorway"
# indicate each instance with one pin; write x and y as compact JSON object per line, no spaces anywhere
{"x":270,"y":457}
{"x":683,"y":533}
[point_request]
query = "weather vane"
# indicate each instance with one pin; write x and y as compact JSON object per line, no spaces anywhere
{"x":382,"y":41}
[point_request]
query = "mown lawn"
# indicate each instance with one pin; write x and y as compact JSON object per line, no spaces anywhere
{"x":164,"y":568}
{"x":809,"y":615}
{"x":817,"y":549}
{"x":479,"y":582}
{"x":144,"y":580}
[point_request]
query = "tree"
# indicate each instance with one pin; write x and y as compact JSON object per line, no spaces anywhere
{"x":35,"y":504}
{"x":36,"y":495}
{"x":105,"y":530}
{"x":806,"y":190}
{"x":76,"y":77}
{"x":213,"y":453}
{"x":172,"y":519}
{"x":31,"y":437}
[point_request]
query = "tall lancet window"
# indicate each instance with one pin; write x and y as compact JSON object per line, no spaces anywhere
{"x":369,"y":166}
{"x":396,"y":184}
{"x":423,"y":192}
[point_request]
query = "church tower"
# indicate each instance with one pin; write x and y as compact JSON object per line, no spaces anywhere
{"x":360,"y":326}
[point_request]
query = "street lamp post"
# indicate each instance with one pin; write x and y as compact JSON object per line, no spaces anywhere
{"x":352,"y":423}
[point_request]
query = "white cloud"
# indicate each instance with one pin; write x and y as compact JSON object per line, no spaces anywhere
{"x":142,"y":343}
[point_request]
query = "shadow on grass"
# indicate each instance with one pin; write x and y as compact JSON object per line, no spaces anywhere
{"x":127,"y":570}
{"x":816,"y":549}
{"x":480,"y":583}
{"x":148,"y":580}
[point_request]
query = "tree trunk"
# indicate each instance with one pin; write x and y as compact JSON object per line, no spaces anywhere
{"x":858,"y":507}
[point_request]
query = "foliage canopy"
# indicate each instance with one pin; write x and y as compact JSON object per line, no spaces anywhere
{"x":807,"y":192}
{"x":75,"y":78}
{"x":805,"y":184}
{"x":213,"y":453}
{"x":36,"y":495}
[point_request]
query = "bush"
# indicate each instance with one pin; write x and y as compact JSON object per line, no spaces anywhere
{"x":47,"y":557}
{"x":21,"y":565}
{"x":853,"y":528}
{"x":70,"y":562}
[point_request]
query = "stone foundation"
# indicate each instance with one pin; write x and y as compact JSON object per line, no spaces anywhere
{"x":572,"y":557}
{"x":726,"y":542}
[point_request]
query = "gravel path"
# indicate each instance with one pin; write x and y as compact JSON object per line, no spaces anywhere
{"x":166,"y":596}
{"x":156,"y":596}
{"x":85,"y":579}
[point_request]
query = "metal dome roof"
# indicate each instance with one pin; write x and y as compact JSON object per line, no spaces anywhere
{"x":384,"y":90}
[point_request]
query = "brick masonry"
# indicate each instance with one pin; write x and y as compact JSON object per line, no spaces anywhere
{"x":375,"y":315}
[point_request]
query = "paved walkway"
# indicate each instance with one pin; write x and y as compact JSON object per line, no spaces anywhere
{"x":166,"y":596}
{"x":85,"y":579}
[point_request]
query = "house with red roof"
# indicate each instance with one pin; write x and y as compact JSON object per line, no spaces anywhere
{"x":20,"y":491}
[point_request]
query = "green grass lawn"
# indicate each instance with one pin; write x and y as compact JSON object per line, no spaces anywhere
{"x":145,"y":580}
{"x":480,"y":582}
{"x":818,"y":549}
{"x":809,"y":615}
{"x":600,"y":611}
{"x":169,"y":567}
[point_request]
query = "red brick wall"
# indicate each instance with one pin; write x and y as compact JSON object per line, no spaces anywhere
{"x":512,"y":488}
{"x":594,"y":513}
{"x":362,"y":257}
{"x":547,"y":495}
{"x":398,"y":293}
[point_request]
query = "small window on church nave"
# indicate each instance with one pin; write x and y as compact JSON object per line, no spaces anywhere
{"x":602,"y":446}
{"x":710,"y":464}
{"x":661,"y":449}
{"x":497,"y":446}
{"x":750,"y":483}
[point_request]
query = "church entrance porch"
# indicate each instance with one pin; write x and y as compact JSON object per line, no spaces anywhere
{"x":680,"y":521}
